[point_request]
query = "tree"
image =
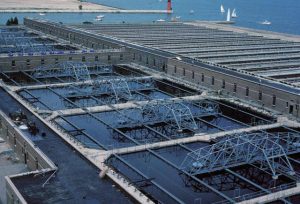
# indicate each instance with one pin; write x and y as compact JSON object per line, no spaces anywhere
{"x":16,"y":21}
{"x":80,"y":7}
{"x":12,"y":21}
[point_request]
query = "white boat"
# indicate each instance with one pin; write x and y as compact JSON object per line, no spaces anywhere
{"x":228,"y":15}
{"x":100,"y":16}
{"x":160,"y":20}
{"x":98,"y":19}
{"x":178,"y":17}
{"x":233,"y":15}
{"x":266,"y":22}
{"x":222,"y":9}
{"x":42,"y":14}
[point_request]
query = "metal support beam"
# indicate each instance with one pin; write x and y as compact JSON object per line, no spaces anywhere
{"x":262,"y":149}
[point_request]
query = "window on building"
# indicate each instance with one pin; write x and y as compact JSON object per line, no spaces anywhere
{"x":175,"y":69}
{"x":70,"y":58}
{"x":274,"y":100}
{"x":193,"y":75}
{"x":260,"y":95}
{"x":154,"y":62}
{"x":28,"y":62}
{"x":133,"y":56}
{"x":96,"y":58}
{"x":56,"y":60}
{"x":291,"y":109}
{"x":247,"y":91}
{"x":42,"y":61}
{"x":183,"y":72}
{"x":121,"y":56}
{"x":13,"y":63}
{"x":108,"y":57}
{"x":212,"y":80}
{"x":223,"y":84}
{"x":234,"y":87}
{"x":83,"y":59}
{"x":202,"y":77}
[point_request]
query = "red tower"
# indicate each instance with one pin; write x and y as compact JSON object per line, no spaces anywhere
{"x":169,"y":5}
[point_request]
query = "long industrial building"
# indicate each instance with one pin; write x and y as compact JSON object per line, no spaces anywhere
{"x":165,"y":112}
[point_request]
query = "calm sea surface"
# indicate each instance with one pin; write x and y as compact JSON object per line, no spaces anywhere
{"x":283,"y":14}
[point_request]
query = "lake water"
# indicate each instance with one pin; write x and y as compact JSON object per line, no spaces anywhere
{"x":284,"y":15}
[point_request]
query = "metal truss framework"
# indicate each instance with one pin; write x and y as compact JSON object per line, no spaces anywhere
{"x":78,"y":70}
{"x":266,"y":151}
{"x":18,"y":42}
{"x":116,"y":88}
{"x":178,"y":114}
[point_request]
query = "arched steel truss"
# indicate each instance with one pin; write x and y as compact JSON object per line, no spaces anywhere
{"x":79,"y":70}
{"x":266,"y":151}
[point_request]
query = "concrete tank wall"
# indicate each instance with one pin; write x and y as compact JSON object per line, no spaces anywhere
{"x":237,"y":87}
{"x":30,"y":62}
{"x":28,"y":153}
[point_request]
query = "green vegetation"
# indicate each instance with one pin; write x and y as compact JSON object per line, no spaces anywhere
{"x":12,"y":21}
{"x":80,"y":7}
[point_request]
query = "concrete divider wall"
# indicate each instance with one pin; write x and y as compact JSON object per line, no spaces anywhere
{"x":31,"y":62}
{"x":27,"y":152}
{"x":150,"y":60}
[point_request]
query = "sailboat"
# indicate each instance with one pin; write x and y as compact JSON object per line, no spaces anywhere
{"x":222,"y":9}
{"x":228,"y":15}
{"x":233,"y":15}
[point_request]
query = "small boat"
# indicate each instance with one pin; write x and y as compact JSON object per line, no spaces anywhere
{"x":178,"y":17}
{"x":42,"y":14}
{"x":192,"y":11}
{"x":160,"y":20}
{"x":98,"y":19}
{"x":266,"y":22}
{"x":222,"y":9}
{"x":87,"y":22}
{"x":233,"y":15}
{"x":228,"y":15}
{"x":100,"y":16}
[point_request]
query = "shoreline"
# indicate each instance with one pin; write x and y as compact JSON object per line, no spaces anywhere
{"x":66,"y":6}
{"x":20,"y":5}
{"x":34,"y":10}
